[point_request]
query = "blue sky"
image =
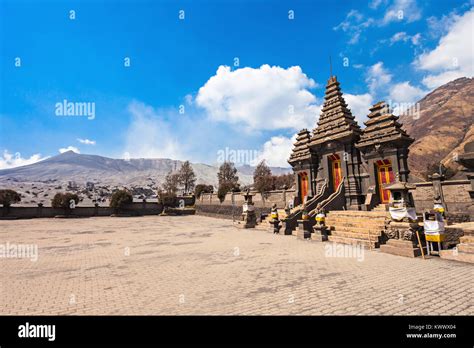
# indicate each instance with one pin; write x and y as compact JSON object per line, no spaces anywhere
{"x":235,"y":75}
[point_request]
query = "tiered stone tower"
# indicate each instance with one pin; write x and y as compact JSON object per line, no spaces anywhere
{"x":384,"y":146}
{"x":303,"y":165}
{"x":333,"y":141}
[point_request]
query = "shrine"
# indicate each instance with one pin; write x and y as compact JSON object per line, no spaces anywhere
{"x":339,"y":155}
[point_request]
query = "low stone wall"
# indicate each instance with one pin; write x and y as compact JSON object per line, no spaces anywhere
{"x":140,"y":208}
{"x":225,"y":211}
{"x":455,"y":192}
{"x":209,"y":205}
{"x":278,"y":197}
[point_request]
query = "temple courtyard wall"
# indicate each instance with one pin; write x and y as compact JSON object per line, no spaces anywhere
{"x":210,"y":205}
{"x":456,"y":197}
{"x":455,"y":193}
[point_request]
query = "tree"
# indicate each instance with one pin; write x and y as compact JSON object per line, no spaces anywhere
{"x":201,"y":188}
{"x":227,"y":178}
{"x":167,"y":191}
{"x":167,"y":199}
{"x":66,"y":201}
{"x":186,"y":177}
{"x":120,"y":199}
{"x":283,"y":181}
{"x":9,"y":197}
{"x":171,"y":183}
{"x":227,"y":174}
{"x":262,"y":178}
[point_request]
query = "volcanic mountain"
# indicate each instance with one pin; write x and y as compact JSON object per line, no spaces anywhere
{"x":443,"y":126}
{"x":71,"y":166}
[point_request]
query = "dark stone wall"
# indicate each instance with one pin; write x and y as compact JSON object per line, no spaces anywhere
{"x":224,"y":211}
{"x":138,"y":208}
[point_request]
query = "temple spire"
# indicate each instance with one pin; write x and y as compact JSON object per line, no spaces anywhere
{"x":330,"y":66}
{"x":336,"y":121}
{"x":383,"y":127}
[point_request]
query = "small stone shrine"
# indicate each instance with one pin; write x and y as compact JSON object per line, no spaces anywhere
{"x":248,"y":211}
{"x":403,"y":225}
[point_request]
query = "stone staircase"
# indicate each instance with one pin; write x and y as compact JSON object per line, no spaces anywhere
{"x":465,"y":249}
{"x":381,"y":208}
{"x":357,"y":227}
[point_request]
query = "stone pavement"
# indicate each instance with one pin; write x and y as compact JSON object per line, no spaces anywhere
{"x":199,"y":265}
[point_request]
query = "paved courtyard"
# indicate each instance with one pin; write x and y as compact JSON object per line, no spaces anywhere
{"x":201,"y":265}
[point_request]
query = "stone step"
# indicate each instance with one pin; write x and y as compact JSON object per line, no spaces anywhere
{"x":355,"y":227}
{"x":372,"y":236}
{"x":460,"y":256}
{"x":360,"y":230}
{"x":466,"y":239}
{"x":353,"y":241}
{"x":466,"y":248}
{"x":356,"y":224}
{"x":398,"y":243}
{"x":358,"y":213}
{"x":468,"y":232}
{"x":400,"y":251}
{"x":361,"y":218}
{"x":381,"y":207}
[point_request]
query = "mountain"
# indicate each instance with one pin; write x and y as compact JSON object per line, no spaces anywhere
{"x":444,"y":124}
{"x":70,"y":166}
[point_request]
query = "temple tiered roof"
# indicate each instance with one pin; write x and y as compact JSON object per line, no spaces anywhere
{"x":336,"y":121}
{"x":382,"y":127}
{"x":301,"y":151}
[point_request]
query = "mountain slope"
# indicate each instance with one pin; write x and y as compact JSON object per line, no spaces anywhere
{"x":70,"y":166}
{"x":444,"y":125}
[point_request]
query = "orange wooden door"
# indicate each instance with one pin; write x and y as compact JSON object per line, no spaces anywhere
{"x":303,"y":186}
{"x":385,"y":176}
{"x":336,"y":171}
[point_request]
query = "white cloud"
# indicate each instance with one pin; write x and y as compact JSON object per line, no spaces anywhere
{"x":359,"y":105}
{"x":276,"y":151}
{"x":438,"y":27}
{"x":149,"y":136}
{"x":404,"y":37}
{"x":354,"y":24}
{"x":402,"y":10}
{"x":374,"y":4}
{"x":266,"y":98}
{"x":454,"y":55}
{"x":86,"y":141}
{"x":378,"y":78}
{"x":69,"y":148}
{"x":9,"y":160}
{"x":404,"y":92}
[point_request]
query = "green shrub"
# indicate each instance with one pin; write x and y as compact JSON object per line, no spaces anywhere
{"x":65,"y":201}
{"x":201,"y":188}
{"x":9,"y":197}
{"x":120,"y":199}
{"x":221,"y":192}
{"x":167,"y":199}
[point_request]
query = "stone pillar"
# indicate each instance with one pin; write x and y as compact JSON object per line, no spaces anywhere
{"x":402,"y":159}
{"x":352,"y":190}
{"x":438,"y":189}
